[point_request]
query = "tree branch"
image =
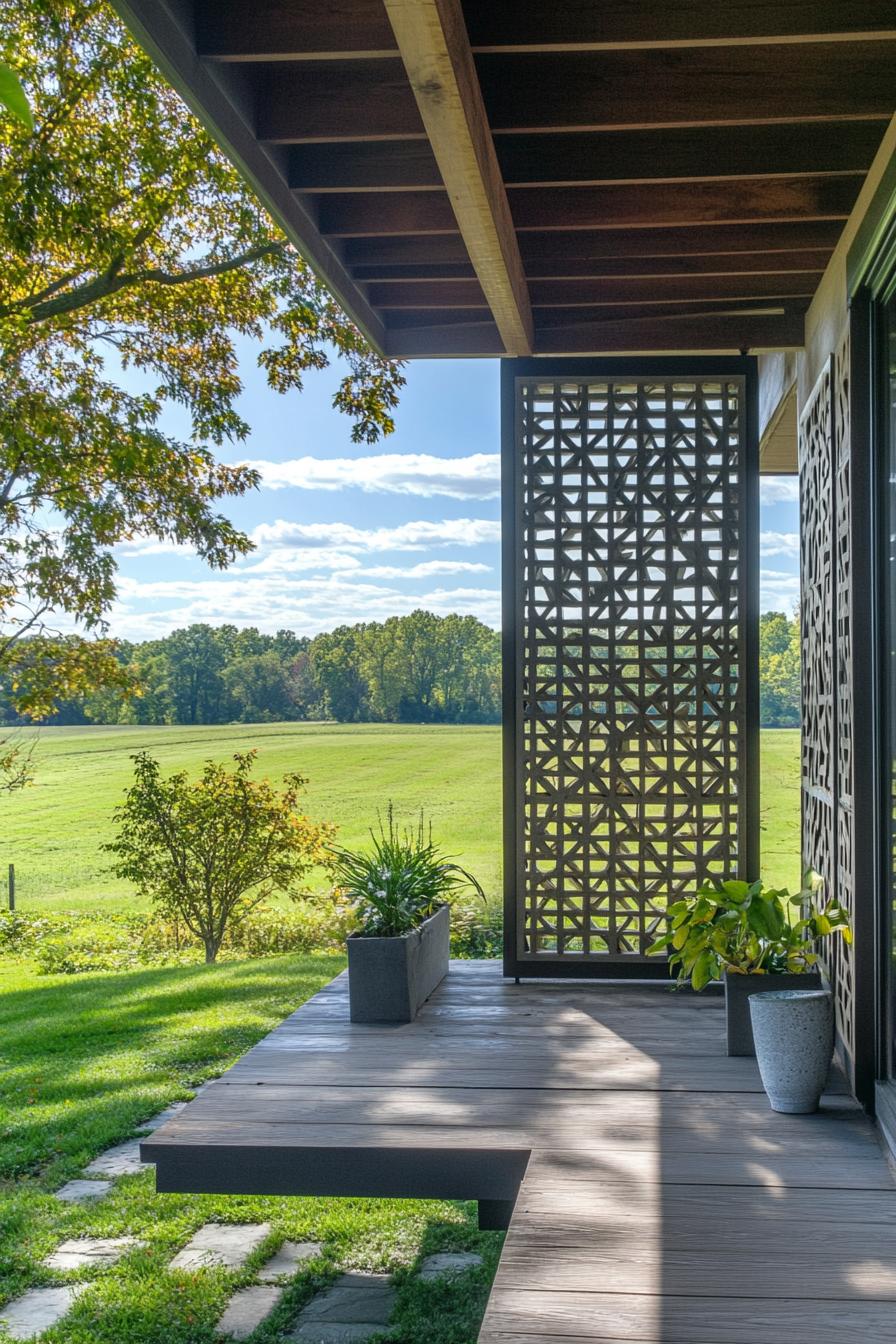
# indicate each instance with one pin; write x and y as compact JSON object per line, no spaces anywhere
{"x":111,"y":282}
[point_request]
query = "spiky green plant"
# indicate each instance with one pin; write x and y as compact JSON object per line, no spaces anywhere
{"x":400,"y":880}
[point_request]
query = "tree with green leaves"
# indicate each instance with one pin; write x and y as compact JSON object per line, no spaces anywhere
{"x":209,"y":851}
{"x":133,"y":258}
{"x":779,"y":670}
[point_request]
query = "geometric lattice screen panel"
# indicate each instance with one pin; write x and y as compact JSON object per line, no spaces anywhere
{"x":632,"y":573}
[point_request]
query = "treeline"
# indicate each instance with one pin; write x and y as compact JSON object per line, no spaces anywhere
{"x":779,"y":670}
{"x":418,"y":668}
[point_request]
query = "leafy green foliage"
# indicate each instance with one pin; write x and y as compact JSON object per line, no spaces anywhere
{"x":211,"y":850}
{"x":400,"y":881}
{"x":417,"y":668}
{"x":744,"y":928}
{"x":76,"y":942}
{"x":128,"y":242}
{"x":779,"y":670}
{"x":14,"y":98}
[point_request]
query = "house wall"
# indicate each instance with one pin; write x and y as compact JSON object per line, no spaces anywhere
{"x":836,"y":505}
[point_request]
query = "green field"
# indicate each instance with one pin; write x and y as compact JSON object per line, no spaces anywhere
{"x":52,"y":831}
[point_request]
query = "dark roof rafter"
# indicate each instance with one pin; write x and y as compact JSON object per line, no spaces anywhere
{"x":270,"y":30}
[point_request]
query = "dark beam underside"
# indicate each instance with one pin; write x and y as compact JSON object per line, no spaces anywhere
{"x":589,"y":157}
{"x":231,"y":30}
{"x":736,"y":201}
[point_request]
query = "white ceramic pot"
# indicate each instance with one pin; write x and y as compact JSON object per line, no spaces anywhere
{"x":793,"y":1030}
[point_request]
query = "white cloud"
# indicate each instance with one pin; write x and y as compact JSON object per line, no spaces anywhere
{"x":778,"y":489}
{"x":414,"y":536}
{"x":779,"y":543}
{"x":778,"y":591}
{"x":272,"y":603}
{"x":476,"y":476}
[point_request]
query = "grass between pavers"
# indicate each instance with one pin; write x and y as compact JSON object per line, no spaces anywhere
{"x":85,"y":1060}
{"x":53,"y":831}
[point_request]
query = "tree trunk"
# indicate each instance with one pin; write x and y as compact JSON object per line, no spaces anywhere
{"x":211,"y":951}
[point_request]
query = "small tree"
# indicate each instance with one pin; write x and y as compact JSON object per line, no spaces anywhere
{"x":209,"y":851}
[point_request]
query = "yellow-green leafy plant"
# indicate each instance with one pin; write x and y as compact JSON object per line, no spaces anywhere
{"x":745,"y":928}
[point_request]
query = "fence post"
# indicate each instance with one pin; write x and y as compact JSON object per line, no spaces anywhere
{"x":11,"y":889}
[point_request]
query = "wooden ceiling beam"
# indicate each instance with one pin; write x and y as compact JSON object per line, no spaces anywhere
{"x":271,"y":30}
{"x":335,"y":100}
{"x":596,"y":158}
{"x":600,"y":291}
{"x":687,"y":154}
{"x":376,"y":165}
{"x":644,"y":268}
{"x":611,"y":246}
{"x":643,"y":89}
{"x":624,"y":244}
{"x":707,"y":332}
{"x":532,"y":25}
{"x":432,"y":39}
{"x":735,"y":201}
{"x":290,"y":30}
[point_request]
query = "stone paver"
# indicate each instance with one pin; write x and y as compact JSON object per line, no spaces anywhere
{"x":287,"y":1260}
{"x":38,"y":1310}
{"x":356,"y":1307}
{"x":81,"y":1251}
{"x":122,"y":1160}
{"x":246,"y":1310}
{"x":82,"y":1192}
{"x":156,"y":1121}
{"x":449,"y":1262}
{"x":228,"y":1245}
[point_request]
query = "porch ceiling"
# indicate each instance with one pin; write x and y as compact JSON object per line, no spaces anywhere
{"x":505,"y":176}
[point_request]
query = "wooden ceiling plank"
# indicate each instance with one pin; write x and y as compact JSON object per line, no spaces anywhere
{"x":610,"y":290}
{"x":736,"y":201}
{"x":722,"y":264}
{"x":697,"y":152}
{"x":703,"y":86}
{"x":624,"y":244}
{"x":270,"y":30}
{"x":707,"y":332}
{"x":274,"y":30}
{"x":612,"y":246}
{"x":331,"y":101}
{"x":533,"y":25}
{"x":708,"y":153}
{"x":376,"y":165}
{"x":432,"y":39}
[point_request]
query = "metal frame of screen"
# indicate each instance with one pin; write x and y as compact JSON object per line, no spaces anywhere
{"x":575,"y":956}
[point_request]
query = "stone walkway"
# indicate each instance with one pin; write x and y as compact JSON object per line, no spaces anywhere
{"x":357,"y":1306}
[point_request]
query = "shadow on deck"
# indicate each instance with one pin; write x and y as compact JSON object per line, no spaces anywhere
{"x":654,"y":1196}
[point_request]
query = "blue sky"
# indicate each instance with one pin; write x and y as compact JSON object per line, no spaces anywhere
{"x":371,"y":531}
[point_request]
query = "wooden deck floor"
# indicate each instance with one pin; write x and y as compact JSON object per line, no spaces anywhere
{"x":659,"y":1199}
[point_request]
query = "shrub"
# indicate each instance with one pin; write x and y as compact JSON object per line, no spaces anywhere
{"x":210,"y":851}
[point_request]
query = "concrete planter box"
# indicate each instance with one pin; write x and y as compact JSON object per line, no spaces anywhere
{"x":389,"y":978}
{"x":794,"y":1031}
{"x":738,"y":989}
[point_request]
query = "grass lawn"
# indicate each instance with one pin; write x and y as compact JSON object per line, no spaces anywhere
{"x":85,"y":1059}
{"x":53,"y":831}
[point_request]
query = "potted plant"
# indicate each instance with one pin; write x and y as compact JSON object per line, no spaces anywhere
{"x":794,"y":1034}
{"x":400,"y":890}
{"x":744,"y":934}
